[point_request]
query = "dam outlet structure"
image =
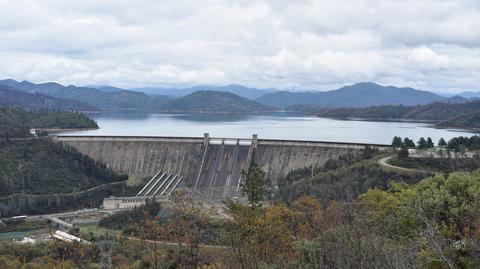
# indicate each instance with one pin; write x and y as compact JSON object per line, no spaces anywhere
{"x":211,"y":168}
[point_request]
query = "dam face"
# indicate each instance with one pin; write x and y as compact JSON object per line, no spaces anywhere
{"x":222,"y":169}
{"x":142,"y":156}
{"x":277,"y":158}
{"x":210,"y":166}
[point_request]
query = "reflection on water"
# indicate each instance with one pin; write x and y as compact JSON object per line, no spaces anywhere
{"x":198,"y":117}
{"x":204,"y":117}
{"x":289,"y":126}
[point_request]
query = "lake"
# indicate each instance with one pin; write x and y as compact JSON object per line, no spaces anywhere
{"x":279,"y":125}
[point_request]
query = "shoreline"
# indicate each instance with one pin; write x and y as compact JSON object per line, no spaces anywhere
{"x":433,"y":123}
{"x":217,"y":112}
{"x":378,"y":119}
{"x":57,"y":130}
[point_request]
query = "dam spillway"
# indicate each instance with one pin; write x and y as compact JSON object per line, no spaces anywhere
{"x":210,"y":166}
{"x":222,"y":168}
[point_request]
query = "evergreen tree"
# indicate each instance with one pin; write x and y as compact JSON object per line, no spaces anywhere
{"x":422,"y":143}
{"x":254,"y":184}
{"x":397,"y":142}
{"x":430,"y":143}
{"x":408,"y":143}
{"x":442,"y":143}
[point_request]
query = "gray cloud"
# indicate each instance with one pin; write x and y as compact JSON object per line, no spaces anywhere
{"x":429,"y":44}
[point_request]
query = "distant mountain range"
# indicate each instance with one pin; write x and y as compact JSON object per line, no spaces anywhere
{"x":245,"y":92}
{"x":357,"y":95}
{"x":118,"y":99}
{"x":11,"y":97}
{"x":470,"y":95}
{"x":208,"y":98}
{"x":56,"y":96}
{"x":215,"y":101}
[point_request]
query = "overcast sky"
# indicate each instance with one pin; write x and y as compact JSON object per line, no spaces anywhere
{"x":431,"y":45}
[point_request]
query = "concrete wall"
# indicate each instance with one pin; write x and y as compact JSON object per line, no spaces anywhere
{"x":278,"y":157}
{"x":145,"y":156}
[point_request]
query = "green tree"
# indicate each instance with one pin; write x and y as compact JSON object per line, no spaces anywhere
{"x":408,"y":143}
{"x":454,"y":200}
{"x":254,"y":185}
{"x":441,"y":211}
{"x":422,"y":143}
{"x":397,"y":142}
{"x":442,"y":143}
{"x":430,"y":143}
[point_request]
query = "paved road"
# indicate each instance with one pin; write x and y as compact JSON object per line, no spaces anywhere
{"x":66,"y":194}
{"x":384,"y":162}
{"x":168,"y":243}
{"x":66,"y":214}
{"x":24,"y":138}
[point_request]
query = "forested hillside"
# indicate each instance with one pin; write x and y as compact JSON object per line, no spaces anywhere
{"x":339,"y":180}
{"x":462,"y":115}
{"x":35,"y":173}
{"x":47,"y":167}
{"x":17,"y":122}
{"x":465,"y":120}
{"x":40,"y":175}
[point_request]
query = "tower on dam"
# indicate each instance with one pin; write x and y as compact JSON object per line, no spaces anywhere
{"x":210,"y":167}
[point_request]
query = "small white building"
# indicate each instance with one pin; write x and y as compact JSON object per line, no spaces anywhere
{"x":27,"y":240}
{"x":66,"y":237}
{"x":113,"y":203}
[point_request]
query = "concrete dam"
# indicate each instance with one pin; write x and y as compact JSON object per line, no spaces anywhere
{"x":212,"y":167}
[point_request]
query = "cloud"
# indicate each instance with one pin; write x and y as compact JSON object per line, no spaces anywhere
{"x":430,"y":44}
{"x":425,"y":58}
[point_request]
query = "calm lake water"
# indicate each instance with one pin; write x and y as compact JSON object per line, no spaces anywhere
{"x":273,"y":125}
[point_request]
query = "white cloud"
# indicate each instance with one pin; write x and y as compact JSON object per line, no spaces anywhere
{"x":425,"y":58}
{"x":430,"y":44}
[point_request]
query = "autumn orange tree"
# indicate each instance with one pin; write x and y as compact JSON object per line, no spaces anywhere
{"x":186,"y":227}
{"x":175,"y":235}
{"x":259,"y":235}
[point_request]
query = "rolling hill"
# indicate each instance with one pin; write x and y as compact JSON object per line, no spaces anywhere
{"x":214,"y":101}
{"x":437,"y":111}
{"x":240,"y":90}
{"x":358,"y":95}
{"x":16,"y":122}
{"x":461,"y":115}
{"x":470,"y":120}
{"x":441,"y":111}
